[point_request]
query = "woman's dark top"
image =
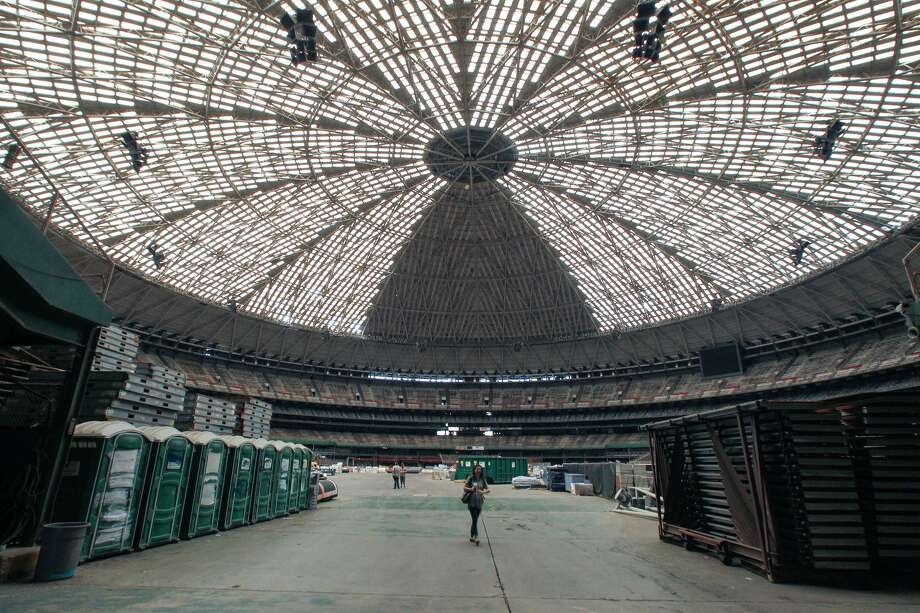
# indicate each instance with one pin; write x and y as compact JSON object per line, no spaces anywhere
{"x":475,"y":501}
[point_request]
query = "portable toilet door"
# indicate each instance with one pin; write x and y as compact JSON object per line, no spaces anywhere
{"x":239,"y":478}
{"x":102,"y":485}
{"x":168,"y":465}
{"x":303,"y":497}
{"x":264,"y":481}
{"x":202,"y":507}
{"x":294,"y":496}
{"x":282,"y":491}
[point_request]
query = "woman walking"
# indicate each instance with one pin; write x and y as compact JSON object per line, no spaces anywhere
{"x":475,"y":490}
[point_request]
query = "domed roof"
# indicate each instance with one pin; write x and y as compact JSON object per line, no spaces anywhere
{"x":457,"y":171}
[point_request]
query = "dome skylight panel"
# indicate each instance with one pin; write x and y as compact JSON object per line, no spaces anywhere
{"x":760,"y":143}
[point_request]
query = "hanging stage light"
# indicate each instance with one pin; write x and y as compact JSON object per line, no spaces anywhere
{"x":301,"y":35}
{"x":159,"y":258}
{"x":138,"y":153}
{"x":648,"y":44}
{"x":799,"y":252}
{"x":824,"y":145}
{"x":11,"y":154}
{"x":664,"y":16}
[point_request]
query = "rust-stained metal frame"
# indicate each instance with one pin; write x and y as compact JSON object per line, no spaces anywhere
{"x":726,"y":549}
{"x":817,"y":557}
{"x":763,"y":558}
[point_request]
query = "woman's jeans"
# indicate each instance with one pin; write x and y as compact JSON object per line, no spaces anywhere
{"x":474,"y":529}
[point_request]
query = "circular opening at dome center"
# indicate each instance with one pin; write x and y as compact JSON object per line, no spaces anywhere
{"x":470,"y":155}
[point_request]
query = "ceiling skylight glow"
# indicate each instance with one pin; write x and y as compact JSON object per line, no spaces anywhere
{"x":292,"y":190}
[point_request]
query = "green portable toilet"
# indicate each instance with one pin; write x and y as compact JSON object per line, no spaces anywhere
{"x":168,"y":464}
{"x":297,"y":460}
{"x":281,"y":492}
{"x":239,"y":478}
{"x":303,"y":498}
{"x":260,"y":509}
{"x":202,"y":505}
{"x":102,"y":485}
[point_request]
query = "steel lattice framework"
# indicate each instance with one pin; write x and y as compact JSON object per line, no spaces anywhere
{"x":298,"y":192}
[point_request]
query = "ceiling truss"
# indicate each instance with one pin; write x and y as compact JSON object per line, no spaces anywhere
{"x":297,"y":193}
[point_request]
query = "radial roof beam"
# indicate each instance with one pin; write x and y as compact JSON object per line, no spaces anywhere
{"x":321,"y":235}
{"x":587,"y":38}
{"x":689,"y":267}
{"x":347,"y":58}
{"x":813,"y":75}
{"x":723,"y":180}
{"x":239,"y":197}
{"x":460,"y":18}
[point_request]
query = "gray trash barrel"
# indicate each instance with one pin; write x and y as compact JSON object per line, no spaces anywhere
{"x":60,"y":553}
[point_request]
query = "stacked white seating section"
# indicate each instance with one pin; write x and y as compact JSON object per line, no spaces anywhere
{"x":208,"y":414}
{"x":151,"y":395}
{"x":116,"y":350}
{"x":255,"y":418}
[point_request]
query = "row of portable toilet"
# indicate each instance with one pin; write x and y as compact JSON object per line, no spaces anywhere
{"x":139,"y":487}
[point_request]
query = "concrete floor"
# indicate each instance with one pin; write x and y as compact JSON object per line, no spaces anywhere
{"x":376,"y":549}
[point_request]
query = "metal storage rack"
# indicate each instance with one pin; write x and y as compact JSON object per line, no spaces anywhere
{"x":796,"y":490}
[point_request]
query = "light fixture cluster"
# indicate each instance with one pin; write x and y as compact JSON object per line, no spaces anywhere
{"x":11,"y":154}
{"x":649,"y":39}
{"x":138,"y":153}
{"x":799,"y":251}
{"x":157,"y":255}
{"x":301,"y":35}
{"x":824,"y":145}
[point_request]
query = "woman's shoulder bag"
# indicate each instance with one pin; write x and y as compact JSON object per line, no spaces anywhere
{"x":466,"y":495}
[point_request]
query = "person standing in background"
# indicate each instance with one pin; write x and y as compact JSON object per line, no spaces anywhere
{"x":395,"y":471}
{"x":402,"y":476}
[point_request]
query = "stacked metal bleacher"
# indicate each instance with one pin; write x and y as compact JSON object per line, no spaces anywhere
{"x":152,"y":395}
{"x":207,"y":414}
{"x":824,"y":491}
{"x":884,"y":441}
{"x":116,"y":350}
{"x":34,"y":390}
{"x":255,"y":418}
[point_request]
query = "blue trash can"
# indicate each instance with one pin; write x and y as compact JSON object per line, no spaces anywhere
{"x":62,"y":544}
